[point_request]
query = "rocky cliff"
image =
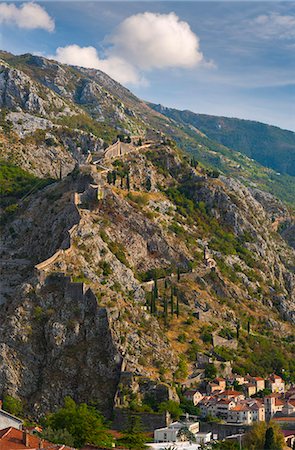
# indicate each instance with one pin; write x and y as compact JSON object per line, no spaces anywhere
{"x":128,"y":267}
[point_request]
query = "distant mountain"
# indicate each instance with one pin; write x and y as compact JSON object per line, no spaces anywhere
{"x":270,"y":146}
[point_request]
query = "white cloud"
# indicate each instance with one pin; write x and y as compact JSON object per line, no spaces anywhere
{"x":141,"y":42}
{"x":28,"y":16}
{"x":152,"y":40}
{"x":275,"y":25}
{"x":114,"y":66}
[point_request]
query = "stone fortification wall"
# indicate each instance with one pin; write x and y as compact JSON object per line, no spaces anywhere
{"x":219,"y":341}
{"x":118,"y":149}
{"x":149,"y":421}
{"x":66,"y":246}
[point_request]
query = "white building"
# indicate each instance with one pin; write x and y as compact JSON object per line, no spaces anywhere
{"x":171,"y":433}
{"x":203,"y":437}
{"x":8,"y":420}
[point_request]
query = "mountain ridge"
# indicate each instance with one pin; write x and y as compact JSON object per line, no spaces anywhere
{"x":154,"y":249}
{"x":250,"y":137}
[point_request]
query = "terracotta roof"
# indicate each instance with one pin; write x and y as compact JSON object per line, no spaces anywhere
{"x":231,"y":392}
{"x":279,"y":402}
{"x":284,"y":419}
{"x":274,"y":377}
{"x":12,"y":439}
{"x":274,"y":394}
{"x":241,"y":408}
{"x":224,"y":401}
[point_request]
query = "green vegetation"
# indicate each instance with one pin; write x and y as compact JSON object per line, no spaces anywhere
{"x":15,"y":183}
{"x":58,"y":436}
{"x":85,"y":123}
{"x":264,"y":436}
{"x":269,"y":146}
{"x":133,"y":437}
{"x":172,"y":407}
{"x":12,"y":405}
{"x":261,"y":355}
{"x":210,"y":371}
{"x":82,"y":422}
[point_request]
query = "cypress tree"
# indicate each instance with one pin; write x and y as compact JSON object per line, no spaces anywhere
{"x":238,"y":326}
{"x":114,"y":173}
{"x":156,"y":293}
{"x":269,"y":439}
{"x":177,"y":306}
{"x":128,"y":182}
{"x":178,"y":273}
{"x":109,"y":177}
{"x":249,"y":326}
{"x":165,"y":308}
{"x":172,"y":301}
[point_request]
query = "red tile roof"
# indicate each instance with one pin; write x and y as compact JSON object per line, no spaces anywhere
{"x":241,"y":408}
{"x":12,"y":439}
{"x":231,"y":392}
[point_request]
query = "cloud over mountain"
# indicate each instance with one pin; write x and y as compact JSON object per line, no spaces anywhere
{"x":27,"y":16}
{"x":140,"y":43}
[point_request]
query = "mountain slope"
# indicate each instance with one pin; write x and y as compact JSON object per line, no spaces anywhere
{"x":270,"y":146}
{"x":135,"y":264}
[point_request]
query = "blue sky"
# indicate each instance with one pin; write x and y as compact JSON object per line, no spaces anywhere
{"x":241,"y":62}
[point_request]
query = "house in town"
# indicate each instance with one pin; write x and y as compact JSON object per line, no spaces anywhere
{"x":231,"y":394}
{"x":172,"y":433}
{"x":203,"y":437}
{"x":221,"y":382}
{"x":289,"y":436}
{"x":15,"y":439}
{"x":275,"y":383}
{"x":194,"y":396}
{"x":222,"y":408}
{"x":272,"y":404}
{"x":246,"y":412}
{"x":249,"y":389}
{"x":241,"y":413}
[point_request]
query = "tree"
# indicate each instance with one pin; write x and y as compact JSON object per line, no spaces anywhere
{"x":58,"y":436}
{"x":249,"y":326}
{"x":177,"y":306}
{"x":148,"y":184}
{"x":238,"y":326}
{"x":109,"y":177}
{"x":133,"y":436}
{"x":165,"y":305}
{"x":114,"y":175}
{"x":269,"y":443}
{"x":153,"y":303}
{"x":178,"y":273}
{"x":128,"y":182}
{"x":210,"y":371}
{"x":184,"y":434}
{"x":12,"y":405}
{"x":225,"y":445}
{"x":255,"y":438}
{"x":84,"y":423}
{"x":172,"y":407}
{"x":156,"y":292}
{"x":172,"y":301}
